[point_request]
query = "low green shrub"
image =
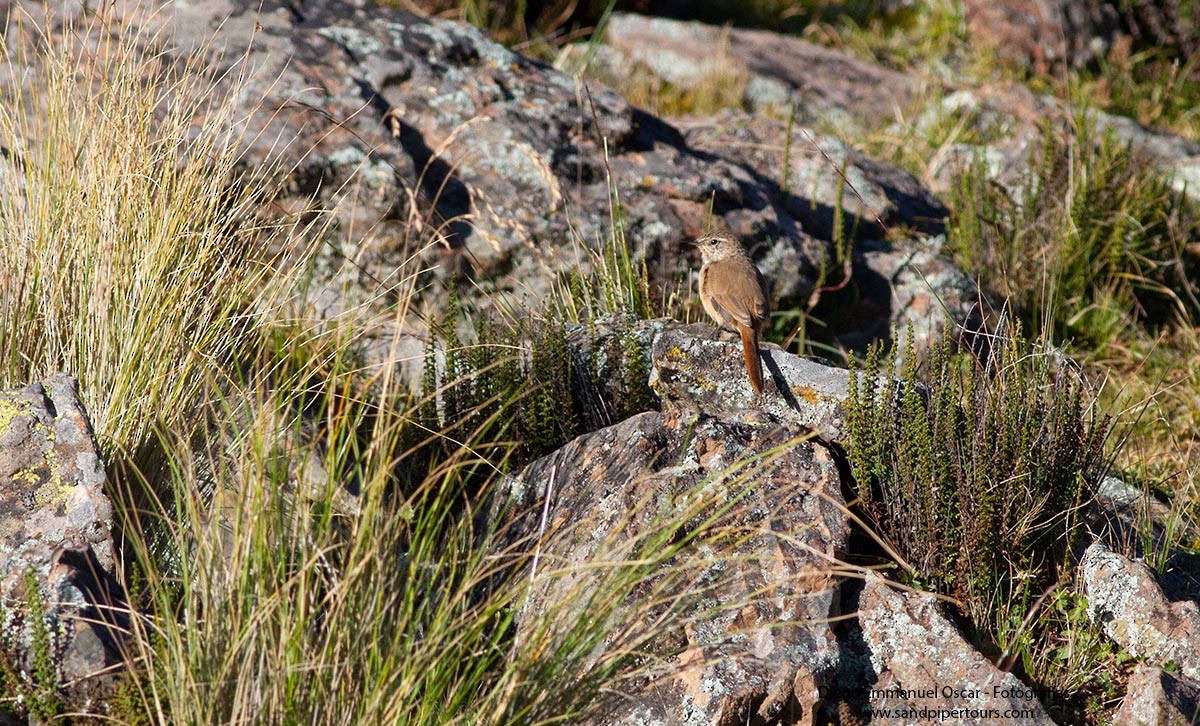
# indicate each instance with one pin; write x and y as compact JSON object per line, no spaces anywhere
{"x":977,"y":473}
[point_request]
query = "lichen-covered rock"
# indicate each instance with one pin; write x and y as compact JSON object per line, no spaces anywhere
{"x":914,"y":287}
{"x":907,"y":282}
{"x":432,"y":132}
{"x":824,"y":172}
{"x":55,"y":536}
{"x":1126,"y":600}
{"x":1156,"y":698}
{"x":699,"y":368}
{"x":926,"y":671}
{"x":760,"y":646}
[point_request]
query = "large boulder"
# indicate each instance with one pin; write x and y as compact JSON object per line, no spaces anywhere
{"x":753,"y":643}
{"x":431,"y":134}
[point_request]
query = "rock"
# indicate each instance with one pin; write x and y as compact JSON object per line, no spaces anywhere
{"x":1157,"y":698}
{"x":1043,"y":34}
{"x":1126,"y":518}
{"x":738,"y":658}
{"x":55,"y":535}
{"x":696,"y":368}
{"x":1126,"y":600}
{"x":908,"y":282}
{"x":453,"y":160}
{"x":1176,"y":156}
{"x":430,"y":133}
{"x":1010,"y":118}
{"x":780,"y":71}
{"x":926,"y":670}
{"x":1046,"y":35}
{"x":911,"y":286}
{"x":611,"y":360}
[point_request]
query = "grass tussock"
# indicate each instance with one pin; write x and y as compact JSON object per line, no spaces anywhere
{"x":1092,"y":242}
{"x":132,"y":254}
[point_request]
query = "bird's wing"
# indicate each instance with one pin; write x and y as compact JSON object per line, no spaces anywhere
{"x":741,"y":301}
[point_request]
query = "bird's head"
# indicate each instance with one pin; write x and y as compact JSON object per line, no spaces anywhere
{"x":715,"y":247}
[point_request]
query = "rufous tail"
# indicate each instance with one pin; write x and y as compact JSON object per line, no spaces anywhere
{"x":753,"y":362}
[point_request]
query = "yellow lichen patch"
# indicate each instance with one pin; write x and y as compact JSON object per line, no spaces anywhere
{"x":52,"y":489}
{"x":675,"y":354}
{"x":808,"y":393}
{"x":9,"y":410}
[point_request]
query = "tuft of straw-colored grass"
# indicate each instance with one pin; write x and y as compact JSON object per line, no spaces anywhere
{"x":132,"y":254}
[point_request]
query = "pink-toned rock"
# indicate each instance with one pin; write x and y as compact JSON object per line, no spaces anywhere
{"x":1126,"y":600}
{"x":1157,"y":698}
{"x":1043,"y":34}
{"x":1047,"y":35}
{"x":927,"y":672}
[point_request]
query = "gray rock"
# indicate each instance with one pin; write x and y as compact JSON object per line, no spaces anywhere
{"x":1126,"y":600}
{"x":55,"y":535}
{"x":824,"y":84}
{"x":921,"y":661}
{"x":1009,"y":118}
{"x":912,"y":286}
{"x":733,"y":656}
{"x":1156,"y":698}
{"x":816,"y":167}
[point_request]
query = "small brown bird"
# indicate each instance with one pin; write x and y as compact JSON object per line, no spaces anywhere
{"x":734,"y":295}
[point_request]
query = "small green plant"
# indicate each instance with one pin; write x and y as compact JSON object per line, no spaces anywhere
{"x":35,"y":691}
{"x":43,"y":697}
{"x":977,"y":472}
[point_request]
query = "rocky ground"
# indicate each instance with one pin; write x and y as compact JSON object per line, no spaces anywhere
{"x":496,"y":176}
